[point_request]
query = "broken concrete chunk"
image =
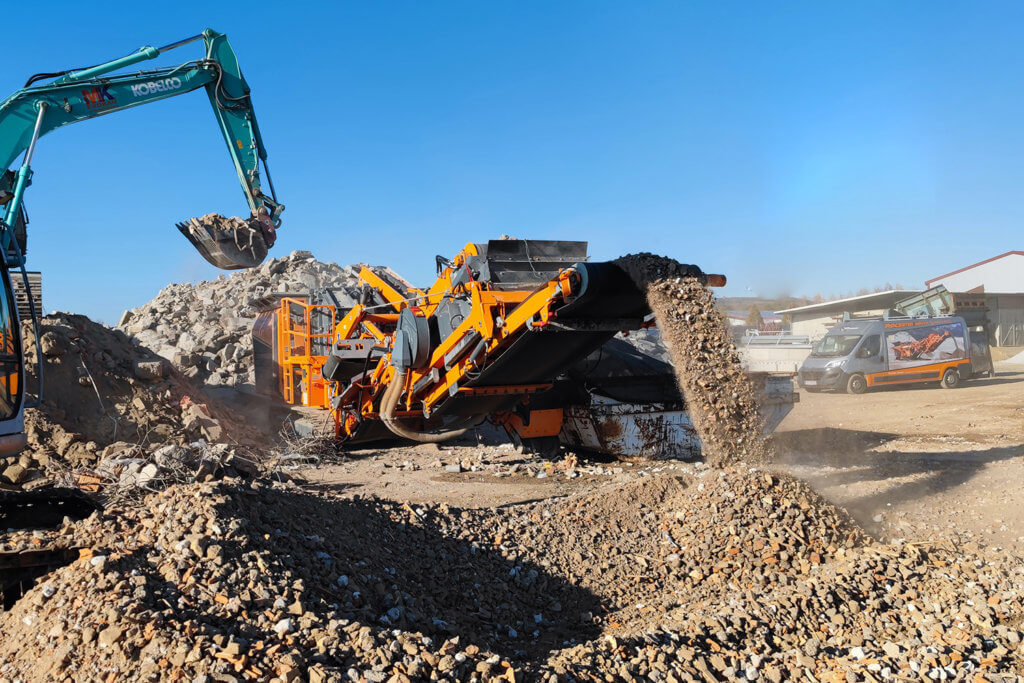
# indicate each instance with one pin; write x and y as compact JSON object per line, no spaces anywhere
{"x":15,"y":474}
{"x":110,"y":636}
{"x":173,"y":456}
{"x":150,"y":370}
{"x":51,"y":345}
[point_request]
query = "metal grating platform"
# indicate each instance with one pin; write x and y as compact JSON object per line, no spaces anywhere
{"x":35,"y":281}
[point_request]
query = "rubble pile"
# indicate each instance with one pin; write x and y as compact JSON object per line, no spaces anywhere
{"x":102,"y":393}
{"x":722,"y":574}
{"x":127,"y":471}
{"x":263,"y":581}
{"x":204,"y":329}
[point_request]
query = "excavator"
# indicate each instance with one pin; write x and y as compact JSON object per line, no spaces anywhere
{"x":51,"y":100}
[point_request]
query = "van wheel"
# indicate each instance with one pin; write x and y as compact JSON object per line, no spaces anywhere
{"x":856,"y":384}
{"x":950,"y":379}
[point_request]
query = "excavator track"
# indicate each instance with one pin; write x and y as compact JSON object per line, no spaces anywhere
{"x":26,"y":510}
{"x":43,"y":509}
{"x":20,"y":570}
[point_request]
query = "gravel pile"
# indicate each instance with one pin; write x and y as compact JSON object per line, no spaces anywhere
{"x":104,"y":394}
{"x":265,"y":581}
{"x":756,"y":577}
{"x":718,"y":574}
{"x":204,"y":329}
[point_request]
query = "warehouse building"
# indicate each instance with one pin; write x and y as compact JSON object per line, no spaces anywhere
{"x":1001,"y":279}
{"x":814,"y":320}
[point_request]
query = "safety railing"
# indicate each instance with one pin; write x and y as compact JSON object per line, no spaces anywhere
{"x":298,"y":344}
{"x":776,"y":340}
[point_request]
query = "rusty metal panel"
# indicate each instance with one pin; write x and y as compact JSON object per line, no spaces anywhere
{"x":631,"y":431}
{"x":657,"y":431}
{"x":775,"y":398}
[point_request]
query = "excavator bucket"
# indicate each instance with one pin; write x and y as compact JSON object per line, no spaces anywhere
{"x":229,"y":243}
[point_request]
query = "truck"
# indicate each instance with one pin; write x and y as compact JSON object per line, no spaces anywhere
{"x":861,"y":353}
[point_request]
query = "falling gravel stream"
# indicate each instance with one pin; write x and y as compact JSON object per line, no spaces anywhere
{"x":718,"y":393}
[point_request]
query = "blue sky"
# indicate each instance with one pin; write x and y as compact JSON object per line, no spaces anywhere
{"x":796,"y":147}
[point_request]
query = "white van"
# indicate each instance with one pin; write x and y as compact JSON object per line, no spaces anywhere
{"x":861,"y":353}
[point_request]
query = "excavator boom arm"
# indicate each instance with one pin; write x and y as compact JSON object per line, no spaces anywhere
{"x":36,"y":110}
{"x":52,"y":100}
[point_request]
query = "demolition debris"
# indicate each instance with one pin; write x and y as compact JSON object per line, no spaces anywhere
{"x":673,"y":572}
{"x":205,"y":329}
{"x":109,"y":402}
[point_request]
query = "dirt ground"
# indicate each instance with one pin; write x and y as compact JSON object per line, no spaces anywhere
{"x":918,"y":463}
{"x":914,"y":463}
{"x":485,"y":474}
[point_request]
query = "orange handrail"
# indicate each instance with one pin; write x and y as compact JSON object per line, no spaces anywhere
{"x":295,"y":342}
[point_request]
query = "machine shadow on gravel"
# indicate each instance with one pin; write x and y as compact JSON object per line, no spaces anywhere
{"x":944,"y":470}
{"x":827,"y":445}
{"x":851,"y":452}
{"x":401,"y":571}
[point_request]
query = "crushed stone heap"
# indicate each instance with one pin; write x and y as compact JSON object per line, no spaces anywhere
{"x":716,"y":575}
{"x":204,"y":329}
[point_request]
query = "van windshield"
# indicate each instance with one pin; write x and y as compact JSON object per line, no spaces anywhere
{"x":835,"y":345}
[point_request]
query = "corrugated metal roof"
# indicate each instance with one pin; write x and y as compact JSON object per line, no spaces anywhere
{"x":863,"y":302}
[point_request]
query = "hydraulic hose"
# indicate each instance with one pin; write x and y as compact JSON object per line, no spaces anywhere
{"x":389,"y":403}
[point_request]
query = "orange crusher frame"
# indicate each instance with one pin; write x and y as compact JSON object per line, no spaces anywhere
{"x":486,"y":340}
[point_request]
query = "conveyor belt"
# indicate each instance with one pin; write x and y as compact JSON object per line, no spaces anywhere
{"x":609,"y":302}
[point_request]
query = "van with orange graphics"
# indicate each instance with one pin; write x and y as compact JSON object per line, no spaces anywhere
{"x":858,"y":354}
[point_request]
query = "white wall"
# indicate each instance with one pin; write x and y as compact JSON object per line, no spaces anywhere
{"x":1002,"y":275}
{"x":815,"y":325}
{"x":1006,"y":314}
